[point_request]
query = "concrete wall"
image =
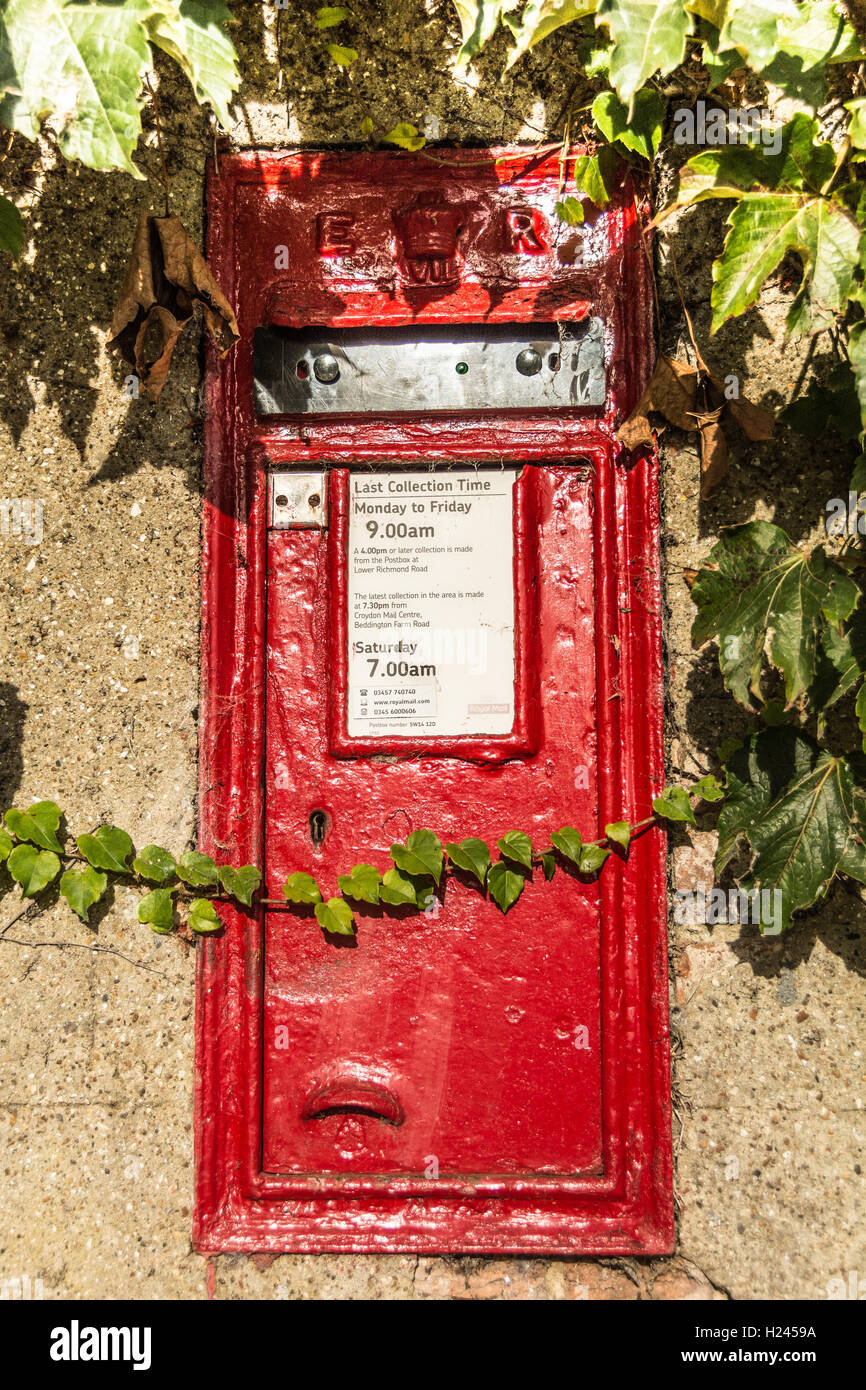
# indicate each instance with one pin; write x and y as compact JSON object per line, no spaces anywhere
{"x":98,"y":698}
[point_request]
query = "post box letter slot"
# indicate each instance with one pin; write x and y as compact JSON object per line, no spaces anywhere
{"x":429,"y":368}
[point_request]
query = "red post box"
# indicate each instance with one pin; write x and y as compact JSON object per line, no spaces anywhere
{"x":431,"y":599}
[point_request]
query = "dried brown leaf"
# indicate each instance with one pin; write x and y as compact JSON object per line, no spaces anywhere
{"x":671,"y":391}
{"x":714,"y":451}
{"x":166,"y":278}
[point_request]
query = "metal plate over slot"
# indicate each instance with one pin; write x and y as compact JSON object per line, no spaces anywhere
{"x":297,"y":500}
{"x":428,"y":368}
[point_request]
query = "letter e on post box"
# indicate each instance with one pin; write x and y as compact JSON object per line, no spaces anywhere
{"x":431,"y":601}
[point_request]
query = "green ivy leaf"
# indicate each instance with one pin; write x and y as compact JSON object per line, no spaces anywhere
{"x":106,"y":848}
{"x":343,"y":57}
{"x":203,"y":917}
{"x":361,"y":883}
{"x":192,"y":33}
{"x":541,"y":18}
{"x":764,"y":227}
{"x":830,"y":404}
{"x":11,"y":229}
{"x":367,"y":126}
{"x":421,"y":854}
{"x":82,"y":64}
{"x":619,"y":831}
{"x":197,"y":869}
{"x":796,"y":806}
{"x":568,"y":841}
{"x":570,"y":211}
{"x":155,"y":864}
{"x":6,"y":845}
{"x":33,"y":868}
{"x":472,"y":856}
{"x":505,"y":885}
{"x":756,"y":591}
{"x":329,"y":15}
{"x":38,"y":824}
{"x":398,"y":890}
{"x":643,"y":133}
{"x":649,"y":36}
{"x":674,"y":804}
{"x":302,"y":888}
{"x":517,"y":846}
{"x":594,"y":175}
{"x":406,"y":136}
{"x":242,"y":883}
{"x":336,"y":916}
{"x":803,"y":162}
{"x":156,"y":910}
{"x":708,"y":789}
{"x":82,"y":888}
{"x":548,"y":864}
{"x":591,"y":858}
{"x":479,"y":19}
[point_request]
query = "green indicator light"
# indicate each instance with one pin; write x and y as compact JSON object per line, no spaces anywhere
{"x":462,"y":368}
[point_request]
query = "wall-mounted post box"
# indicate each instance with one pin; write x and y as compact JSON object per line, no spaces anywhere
{"x":431,"y":600}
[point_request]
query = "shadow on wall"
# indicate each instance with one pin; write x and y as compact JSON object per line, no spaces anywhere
{"x":13,"y":712}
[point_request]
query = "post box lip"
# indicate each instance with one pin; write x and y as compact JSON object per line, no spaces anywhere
{"x":238,"y":1207}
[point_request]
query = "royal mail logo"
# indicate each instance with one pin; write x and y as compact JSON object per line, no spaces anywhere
{"x":77,"y":1343}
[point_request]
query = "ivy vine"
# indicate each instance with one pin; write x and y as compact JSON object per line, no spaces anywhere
{"x":188,"y":889}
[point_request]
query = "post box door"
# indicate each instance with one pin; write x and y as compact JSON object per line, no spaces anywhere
{"x":461,"y":1039}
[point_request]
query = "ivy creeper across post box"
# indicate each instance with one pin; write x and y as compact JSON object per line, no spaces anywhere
{"x":431,"y":601}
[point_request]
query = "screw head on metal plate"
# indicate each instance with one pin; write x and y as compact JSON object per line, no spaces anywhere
{"x":326,"y":368}
{"x":528,"y":362}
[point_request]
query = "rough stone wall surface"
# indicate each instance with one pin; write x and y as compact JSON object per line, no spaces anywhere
{"x":98,"y":698}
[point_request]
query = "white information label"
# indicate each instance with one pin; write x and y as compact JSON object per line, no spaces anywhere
{"x":431,"y":603}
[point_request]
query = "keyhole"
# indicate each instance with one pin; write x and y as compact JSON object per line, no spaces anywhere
{"x":318,"y":827}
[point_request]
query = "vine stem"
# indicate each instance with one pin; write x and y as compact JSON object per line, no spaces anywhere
{"x":155,"y":101}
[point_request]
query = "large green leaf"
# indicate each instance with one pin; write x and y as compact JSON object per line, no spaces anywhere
{"x":479,"y":20}
{"x":11,"y":228}
{"x":106,"y":848}
{"x":421,"y":854}
{"x":33,"y":868}
{"x":543,"y":17}
{"x":197,"y":869}
{"x":764,"y":227}
{"x":813,"y":33}
{"x":803,"y":161}
{"x":82,"y":888}
{"x":472,"y":856}
{"x":517,"y":846}
{"x":643,"y":132}
{"x":82,"y":65}
{"x":155,"y":864}
{"x":505,"y":884}
{"x":649,"y":36}
{"x":203,"y":917}
{"x":398,"y":890}
{"x":38,"y":824}
{"x":361,"y":883}
{"x":335,"y":916}
{"x":796,"y":807}
{"x":759,"y":592}
{"x":240,"y":883}
{"x":156,"y":910}
{"x":192,"y":33}
{"x":302,"y":888}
